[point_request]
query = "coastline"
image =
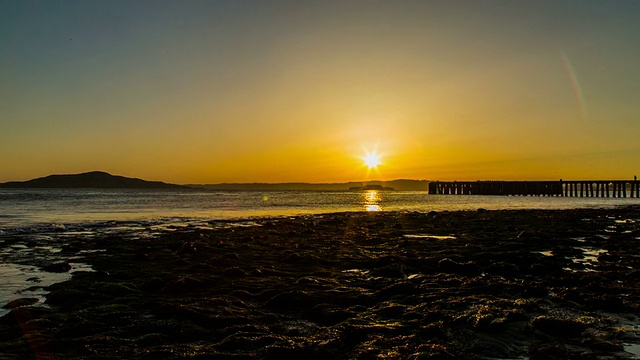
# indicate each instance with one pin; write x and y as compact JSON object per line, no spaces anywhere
{"x":439,"y":285}
{"x":37,"y":210}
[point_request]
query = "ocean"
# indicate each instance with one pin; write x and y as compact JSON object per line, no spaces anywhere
{"x":33,"y":209}
{"x":34,"y":223}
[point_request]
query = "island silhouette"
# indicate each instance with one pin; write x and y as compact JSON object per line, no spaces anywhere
{"x":93,"y":179}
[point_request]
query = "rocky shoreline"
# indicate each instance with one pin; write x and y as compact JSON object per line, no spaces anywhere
{"x":536,"y":284}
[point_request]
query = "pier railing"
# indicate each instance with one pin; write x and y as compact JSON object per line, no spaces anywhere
{"x":571,"y":188}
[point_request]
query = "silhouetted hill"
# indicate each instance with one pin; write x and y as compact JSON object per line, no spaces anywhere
{"x":94,"y":179}
{"x":402,"y":185}
{"x":370,"y":187}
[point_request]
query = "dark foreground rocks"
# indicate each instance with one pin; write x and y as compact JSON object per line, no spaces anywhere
{"x":459,"y":285}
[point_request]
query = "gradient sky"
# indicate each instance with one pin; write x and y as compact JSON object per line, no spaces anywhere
{"x":280,"y":91}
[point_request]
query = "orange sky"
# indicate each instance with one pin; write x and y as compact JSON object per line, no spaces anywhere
{"x":286,"y":91}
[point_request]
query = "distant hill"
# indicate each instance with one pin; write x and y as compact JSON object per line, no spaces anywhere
{"x":370,"y":187}
{"x":100,"y":179}
{"x":94,"y":179}
{"x":402,"y":185}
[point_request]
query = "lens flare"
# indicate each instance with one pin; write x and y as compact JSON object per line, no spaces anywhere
{"x":575,"y":83}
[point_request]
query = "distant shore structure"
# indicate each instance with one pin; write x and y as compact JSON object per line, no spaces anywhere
{"x":571,"y":188}
{"x":370,"y":187}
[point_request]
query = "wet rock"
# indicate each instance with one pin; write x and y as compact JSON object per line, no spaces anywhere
{"x":185,"y":284}
{"x":535,"y":292}
{"x":234,"y":272}
{"x":603,"y":345}
{"x":340,"y":294}
{"x":606,"y":302}
{"x":257,"y":273}
{"x":432,"y":331}
{"x":142,"y":256}
{"x":565,"y":328}
{"x":608,"y":258}
{"x":548,"y":351}
{"x":57,"y":267}
{"x":546,"y":268}
{"x":113,"y":289}
{"x":391,"y":311}
{"x":502,"y":268}
{"x":482,"y":321}
{"x":291,"y":300}
{"x":352,"y":333}
{"x":296,"y":352}
{"x":307,"y":281}
{"x":449,"y":266}
{"x":231,"y":256}
{"x":390,"y":271}
{"x":385,"y":261}
{"x":397,"y":290}
{"x":352,"y":298}
{"x":187,"y":247}
{"x":153,"y":285}
{"x":21,"y":302}
{"x":247,"y":340}
{"x":634,"y":274}
{"x":68,"y":297}
{"x":21,"y":316}
{"x":328,"y":314}
{"x":433,"y":355}
{"x":292,"y":258}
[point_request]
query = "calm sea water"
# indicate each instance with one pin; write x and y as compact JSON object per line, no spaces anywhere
{"x":34,"y":223}
{"x":28,"y":208}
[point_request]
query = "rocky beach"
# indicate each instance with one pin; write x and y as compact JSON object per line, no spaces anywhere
{"x":498,"y":284}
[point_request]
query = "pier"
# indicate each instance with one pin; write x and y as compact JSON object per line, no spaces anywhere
{"x":571,"y":188}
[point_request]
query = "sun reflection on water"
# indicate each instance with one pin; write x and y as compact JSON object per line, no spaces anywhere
{"x":372,"y":200}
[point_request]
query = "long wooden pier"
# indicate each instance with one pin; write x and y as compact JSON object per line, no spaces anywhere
{"x":572,"y":188}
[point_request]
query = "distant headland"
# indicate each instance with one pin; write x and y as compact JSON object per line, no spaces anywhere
{"x":370,"y":187}
{"x":93,"y":179}
{"x":401,"y":185}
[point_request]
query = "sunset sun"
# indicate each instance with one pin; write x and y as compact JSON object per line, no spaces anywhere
{"x":372,"y":160}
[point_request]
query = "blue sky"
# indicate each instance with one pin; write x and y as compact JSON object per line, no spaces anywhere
{"x":213,"y":91}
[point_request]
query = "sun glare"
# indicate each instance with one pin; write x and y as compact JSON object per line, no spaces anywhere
{"x":372,"y":160}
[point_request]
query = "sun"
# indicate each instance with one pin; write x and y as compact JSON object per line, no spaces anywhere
{"x":372,"y":160}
